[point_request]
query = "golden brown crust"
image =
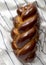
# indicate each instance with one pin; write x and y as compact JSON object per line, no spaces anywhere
{"x":25,"y":25}
{"x":25,"y":37}
{"x":27,"y":11}
{"x":29,"y":46}
{"x":28,"y":24}
{"x":14,"y":46}
{"x":28,"y":56}
{"x":17,"y":21}
{"x":25,"y":33}
{"x":14,"y":33}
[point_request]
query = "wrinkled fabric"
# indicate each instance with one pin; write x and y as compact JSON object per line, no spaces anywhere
{"x":7,"y":12}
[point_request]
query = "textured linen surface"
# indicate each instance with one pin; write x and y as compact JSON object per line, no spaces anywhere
{"x":7,"y":11}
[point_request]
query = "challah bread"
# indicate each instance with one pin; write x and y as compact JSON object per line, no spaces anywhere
{"x":25,"y":32}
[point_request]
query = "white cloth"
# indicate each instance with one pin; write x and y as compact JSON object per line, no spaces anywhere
{"x":7,"y":11}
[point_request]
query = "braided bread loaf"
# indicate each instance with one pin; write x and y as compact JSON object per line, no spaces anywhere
{"x":25,"y":32}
